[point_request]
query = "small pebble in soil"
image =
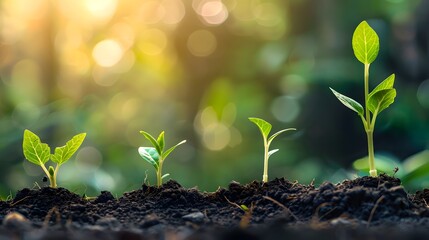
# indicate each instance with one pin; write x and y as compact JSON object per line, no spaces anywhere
{"x":15,"y":220}
{"x":196,"y":217}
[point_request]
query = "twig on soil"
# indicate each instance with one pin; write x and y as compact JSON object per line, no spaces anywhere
{"x":294,"y":183}
{"x":20,"y":200}
{"x":245,"y":219}
{"x":286,"y":209}
{"x":318,"y":208}
{"x":312,"y":182}
{"x":373,"y":210}
{"x":49,"y":215}
{"x":36,"y":185}
{"x":235,"y":204}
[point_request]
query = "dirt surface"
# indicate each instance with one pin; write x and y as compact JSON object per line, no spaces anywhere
{"x":363,"y":208}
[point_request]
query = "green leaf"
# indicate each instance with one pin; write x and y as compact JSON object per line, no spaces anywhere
{"x":381,"y":100}
{"x":64,"y":153}
{"x":365,"y":43}
{"x":34,"y":150}
{"x":263,"y":126}
{"x":385,"y":84}
{"x":348,"y":102}
{"x":417,"y":174}
{"x":160,"y":141}
{"x":165,"y":175}
{"x":150,"y":155}
{"x":278,"y":133}
{"x":272,"y":152}
{"x":166,"y":153}
{"x":153,"y":141}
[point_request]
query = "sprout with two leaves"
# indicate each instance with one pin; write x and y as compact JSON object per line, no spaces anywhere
{"x":265,"y":129}
{"x":156,"y":155}
{"x":39,"y":153}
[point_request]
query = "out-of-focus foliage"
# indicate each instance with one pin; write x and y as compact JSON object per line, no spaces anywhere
{"x":198,"y":69}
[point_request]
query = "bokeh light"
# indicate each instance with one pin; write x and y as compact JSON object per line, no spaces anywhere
{"x":202,"y":43}
{"x":107,"y":53}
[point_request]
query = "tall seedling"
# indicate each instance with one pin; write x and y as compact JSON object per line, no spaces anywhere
{"x":366,"y":45}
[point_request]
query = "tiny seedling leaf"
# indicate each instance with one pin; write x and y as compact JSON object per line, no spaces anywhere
{"x":278,"y":133}
{"x":272,"y":152}
{"x":150,"y":155}
{"x":348,"y":102}
{"x":165,"y":175}
{"x":34,"y":150}
{"x":166,"y":153}
{"x":381,"y":100}
{"x":263,"y":126}
{"x":385,"y":84}
{"x":244,"y":207}
{"x":365,"y":43}
{"x":153,"y":141}
{"x":160,"y":141}
{"x":64,"y":153}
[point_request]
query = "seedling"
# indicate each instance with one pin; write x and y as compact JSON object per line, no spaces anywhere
{"x":366,"y":45}
{"x":265,"y":129}
{"x":39,"y":153}
{"x":155,"y":155}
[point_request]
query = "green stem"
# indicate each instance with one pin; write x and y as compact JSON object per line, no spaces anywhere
{"x":372,"y":170}
{"x":53,"y":176}
{"x":369,"y":126}
{"x":366,"y":81}
{"x":159,"y":173}
{"x":265,"y":176}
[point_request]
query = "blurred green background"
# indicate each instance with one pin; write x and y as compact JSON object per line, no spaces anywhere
{"x":198,"y":69}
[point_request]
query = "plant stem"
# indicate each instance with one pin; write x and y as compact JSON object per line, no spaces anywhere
{"x":369,"y":128}
{"x":366,"y":81}
{"x":159,"y":173}
{"x":53,"y":182}
{"x":372,"y":170}
{"x":265,"y":176}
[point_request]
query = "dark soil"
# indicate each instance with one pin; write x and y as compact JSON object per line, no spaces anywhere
{"x":364,"y":208}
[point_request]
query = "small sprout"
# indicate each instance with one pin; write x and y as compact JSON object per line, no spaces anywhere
{"x":265,"y":129}
{"x":366,"y":45}
{"x":244,"y":208}
{"x":39,"y":153}
{"x":156,"y":155}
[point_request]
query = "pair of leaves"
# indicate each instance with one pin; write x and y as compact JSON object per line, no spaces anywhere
{"x":265,"y":129}
{"x":153,"y":154}
{"x":39,"y":153}
{"x":382,"y":96}
{"x":379,"y":99}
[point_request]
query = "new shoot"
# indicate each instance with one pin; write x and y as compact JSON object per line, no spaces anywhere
{"x":366,"y":45}
{"x":156,"y":155}
{"x":265,"y":129}
{"x":39,"y":153}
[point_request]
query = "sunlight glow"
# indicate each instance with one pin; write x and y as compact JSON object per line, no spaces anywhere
{"x":107,"y":53}
{"x":101,"y":9}
{"x":214,"y":12}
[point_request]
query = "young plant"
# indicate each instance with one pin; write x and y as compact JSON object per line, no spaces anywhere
{"x":366,"y":45}
{"x":39,"y":153}
{"x":155,"y":155}
{"x":265,"y":129}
